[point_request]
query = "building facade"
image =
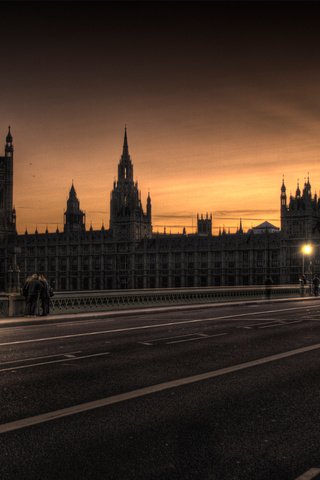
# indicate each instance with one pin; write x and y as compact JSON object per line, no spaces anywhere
{"x":129,"y":255}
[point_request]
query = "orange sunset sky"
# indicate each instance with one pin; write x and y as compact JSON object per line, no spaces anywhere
{"x":220,"y":100}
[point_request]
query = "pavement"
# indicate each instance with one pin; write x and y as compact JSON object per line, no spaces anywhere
{"x":64,"y":317}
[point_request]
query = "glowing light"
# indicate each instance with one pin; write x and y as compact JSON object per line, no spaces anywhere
{"x":307,"y":249}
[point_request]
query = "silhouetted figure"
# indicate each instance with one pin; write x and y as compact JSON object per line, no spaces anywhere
{"x":32,"y":290}
{"x":316,"y":283}
{"x":45,"y":294}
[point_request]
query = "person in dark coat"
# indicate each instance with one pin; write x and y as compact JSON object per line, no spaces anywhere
{"x":316,"y":283}
{"x":32,"y":290}
{"x":45,"y":295}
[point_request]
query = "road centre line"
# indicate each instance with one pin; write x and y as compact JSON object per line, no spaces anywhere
{"x":38,"y":358}
{"x":72,"y":359}
{"x":272,"y":325}
{"x":258,"y":324}
{"x":170,"y":338}
{"x":146,"y":327}
{"x":141,"y":392}
{"x":198,"y":338}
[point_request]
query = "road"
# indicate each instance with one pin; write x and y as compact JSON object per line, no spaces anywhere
{"x":227,"y":392}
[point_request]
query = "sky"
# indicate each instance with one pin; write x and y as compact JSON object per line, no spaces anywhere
{"x":220,"y":101}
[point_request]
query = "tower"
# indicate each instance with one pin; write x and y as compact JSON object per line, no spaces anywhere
{"x":74,"y":218}
{"x":127,"y":218}
{"x":204,"y":225}
{"x":283,"y":204}
{"x":7,"y":212}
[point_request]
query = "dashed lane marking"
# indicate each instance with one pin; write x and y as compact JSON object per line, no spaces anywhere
{"x":202,"y":337}
{"x":37,"y":358}
{"x":190,"y":337}
{"x":72,"y":359}
{"x":146,"y":327}
{"x":141,"y":392}
{"x":310,"y":474}
{"x":258,"y":324}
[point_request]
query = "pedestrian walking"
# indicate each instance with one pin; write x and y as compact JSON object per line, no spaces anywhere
{"x":31,"y":290}
{"x":316,"y":283}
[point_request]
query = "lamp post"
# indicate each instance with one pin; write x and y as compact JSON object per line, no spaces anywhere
{"x":306,"y":249}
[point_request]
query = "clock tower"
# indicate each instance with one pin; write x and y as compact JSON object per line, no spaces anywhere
{"x":7,"y":212}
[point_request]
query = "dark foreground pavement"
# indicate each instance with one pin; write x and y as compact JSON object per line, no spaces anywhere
{"x":256,"y":415}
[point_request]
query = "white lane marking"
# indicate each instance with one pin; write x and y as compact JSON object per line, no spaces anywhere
{"x":312,"y":473}
{"x":259,"y":324}
{"x":146,"y":327}
{"x":37,"y":358}
{"x":280,"y":324}
{"x":198,"y":338}
{"x":53,"y":361}
{"x":141,"y":392}
{"x":272,"y":326}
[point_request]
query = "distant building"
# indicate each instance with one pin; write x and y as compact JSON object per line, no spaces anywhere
{"x":129,"y":255}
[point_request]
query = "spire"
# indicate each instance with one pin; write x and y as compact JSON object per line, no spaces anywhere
{"x":240,"y":228}
{"x":125,"y":151}
{"x":9,"y":145}
{"x":9,"y":136}
{"x":283,"y":187}
{"x":72,"y":193}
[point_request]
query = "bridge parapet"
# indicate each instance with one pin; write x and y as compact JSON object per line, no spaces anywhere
{"x":77,"y":302}
{"x":105,"y":300}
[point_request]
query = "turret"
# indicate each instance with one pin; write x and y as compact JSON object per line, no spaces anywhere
{"x":74,"y":217}
{"x":125,"y":167}
{"x":204,"y":224}
{"x":149,"y":207}
{"x":307,"y":190}
{"x":283,"y":196}
{"x":9,"y":145}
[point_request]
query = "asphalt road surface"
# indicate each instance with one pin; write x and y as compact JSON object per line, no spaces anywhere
{"x":227,"y":392}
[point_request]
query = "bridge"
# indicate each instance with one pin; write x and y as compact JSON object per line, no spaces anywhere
{"x":13,"y":304}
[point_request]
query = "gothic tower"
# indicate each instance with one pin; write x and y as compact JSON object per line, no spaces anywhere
{"x":127,"y":218}
{"x":301,"y":217}
{"x":74,"y":218}
{"x":7,"y":212}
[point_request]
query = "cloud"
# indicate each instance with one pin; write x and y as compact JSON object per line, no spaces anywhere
{"x":235,"y":214}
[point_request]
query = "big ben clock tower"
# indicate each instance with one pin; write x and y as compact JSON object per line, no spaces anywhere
{"x":7,"y":212}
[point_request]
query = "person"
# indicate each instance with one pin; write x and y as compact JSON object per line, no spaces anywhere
{"x":302,"y":283}
{"x":45,"y":294}
{"x":316,"y":282}
{"x":25,"y":290}
{"x":31,"y":291}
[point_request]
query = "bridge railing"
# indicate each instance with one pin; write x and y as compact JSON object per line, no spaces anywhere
{"x":85,"y":301}
{"x":105,"y":300}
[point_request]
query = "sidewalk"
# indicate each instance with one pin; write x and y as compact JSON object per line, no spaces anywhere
{"x":54,"y":318}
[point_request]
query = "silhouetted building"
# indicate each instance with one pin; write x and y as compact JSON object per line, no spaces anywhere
{"x":130,"y":255}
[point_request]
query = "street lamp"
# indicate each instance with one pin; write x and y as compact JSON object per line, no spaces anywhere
{"x":306,"y":249}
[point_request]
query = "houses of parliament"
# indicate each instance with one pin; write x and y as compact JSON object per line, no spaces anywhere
{"x":128,"y":255}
